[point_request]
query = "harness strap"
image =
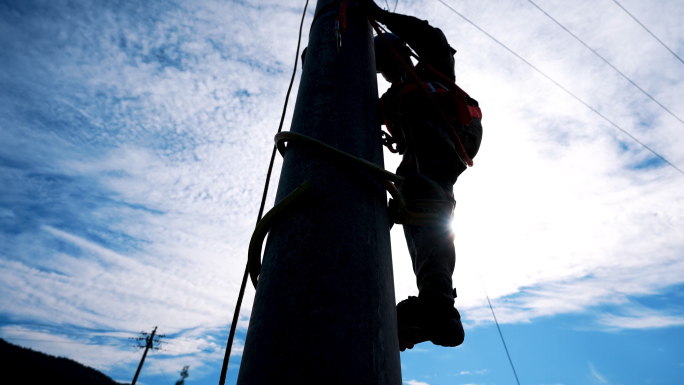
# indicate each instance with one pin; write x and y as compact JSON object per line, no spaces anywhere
{"x":460,"y":150}
{"x":342,"y":17}
{"x":422,"y":212}
{"x":474,"y":110}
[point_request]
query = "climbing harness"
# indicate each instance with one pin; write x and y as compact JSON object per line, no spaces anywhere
{"x":420,"y":212}
{"x":413,"y":78}
{"x":474,"y":111}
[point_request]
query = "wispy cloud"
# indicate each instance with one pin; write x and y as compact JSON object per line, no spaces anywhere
{"x":642,"y":319}
{"x":415,"y":382}
{"x":598,"y":376}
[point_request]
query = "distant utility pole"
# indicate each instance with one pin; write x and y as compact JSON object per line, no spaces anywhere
{"x":324,"y":309}
{"x":149,"y":344}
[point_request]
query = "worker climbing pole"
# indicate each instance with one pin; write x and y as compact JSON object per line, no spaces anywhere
{"x":324,"y":309}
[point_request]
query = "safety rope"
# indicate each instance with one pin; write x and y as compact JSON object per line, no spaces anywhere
{"x":463,"y":155}
{"x":286,"y":206}
{"x":274,"y":216}
{"x":236,"y":314}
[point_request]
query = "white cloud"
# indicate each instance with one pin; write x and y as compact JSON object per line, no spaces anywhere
{"x":415,"y":382}
{"x":641,"y":319}
{"x":602,"y":379}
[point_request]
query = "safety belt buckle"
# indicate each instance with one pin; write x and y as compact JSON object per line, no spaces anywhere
{"x":338,"y":36}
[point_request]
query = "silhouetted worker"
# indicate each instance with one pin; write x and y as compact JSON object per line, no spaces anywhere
{"x":430,"y":166}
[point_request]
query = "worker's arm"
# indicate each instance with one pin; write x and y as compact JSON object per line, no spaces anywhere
{"x":428,"y":42}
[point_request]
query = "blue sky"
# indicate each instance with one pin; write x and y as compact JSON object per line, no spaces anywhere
{"x":135,"y":138}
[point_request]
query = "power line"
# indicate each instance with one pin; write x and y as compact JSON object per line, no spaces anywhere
{"x":499,"y":329}
{"x":125,"y":357}
{"x":160,"y":370}
{"x":563,"y":88}
{"x":606,"y":61}
{"x":649,"y":31}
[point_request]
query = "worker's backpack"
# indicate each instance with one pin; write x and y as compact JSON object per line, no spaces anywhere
{"x":454,"y":104}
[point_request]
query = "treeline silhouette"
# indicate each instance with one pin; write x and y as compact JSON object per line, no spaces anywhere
{"x":32,"y":367}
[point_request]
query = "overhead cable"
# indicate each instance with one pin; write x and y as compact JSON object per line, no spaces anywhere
{"x":649,"y":31}
{"x":563,"y":88}
{"x":160,"y":369}
{"x":499,"y":329}
{"x":606,"y":61}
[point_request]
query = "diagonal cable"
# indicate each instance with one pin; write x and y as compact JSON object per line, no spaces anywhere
{"x":649,"y":31}
{"x":160,"y":369}
{"x":563,"y":88}
{"x":499,"y":329}
{"x":606,"y":61}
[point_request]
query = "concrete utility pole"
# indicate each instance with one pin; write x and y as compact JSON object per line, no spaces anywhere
{"x":149,"y":341}
{"x":324,"y":311}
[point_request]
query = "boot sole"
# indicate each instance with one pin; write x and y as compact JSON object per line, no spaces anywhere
{"x":449,"y":333}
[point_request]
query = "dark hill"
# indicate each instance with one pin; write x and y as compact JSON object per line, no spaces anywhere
{"x":31,"y":367}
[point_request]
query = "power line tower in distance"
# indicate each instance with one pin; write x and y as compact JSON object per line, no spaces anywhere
{"x":147,"y":341}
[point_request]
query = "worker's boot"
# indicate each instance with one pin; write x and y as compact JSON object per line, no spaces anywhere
{"x":428,"y":318}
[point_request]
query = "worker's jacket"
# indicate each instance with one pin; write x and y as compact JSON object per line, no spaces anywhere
{"x":412,"y":117}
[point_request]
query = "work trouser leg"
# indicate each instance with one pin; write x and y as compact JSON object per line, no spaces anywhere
{"x":431,"y":246}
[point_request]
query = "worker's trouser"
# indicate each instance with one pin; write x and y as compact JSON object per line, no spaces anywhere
{"x":432,"y":246}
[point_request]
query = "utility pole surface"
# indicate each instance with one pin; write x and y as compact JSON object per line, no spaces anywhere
{"x":148,"y":345}
{"x":324,"y":309}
